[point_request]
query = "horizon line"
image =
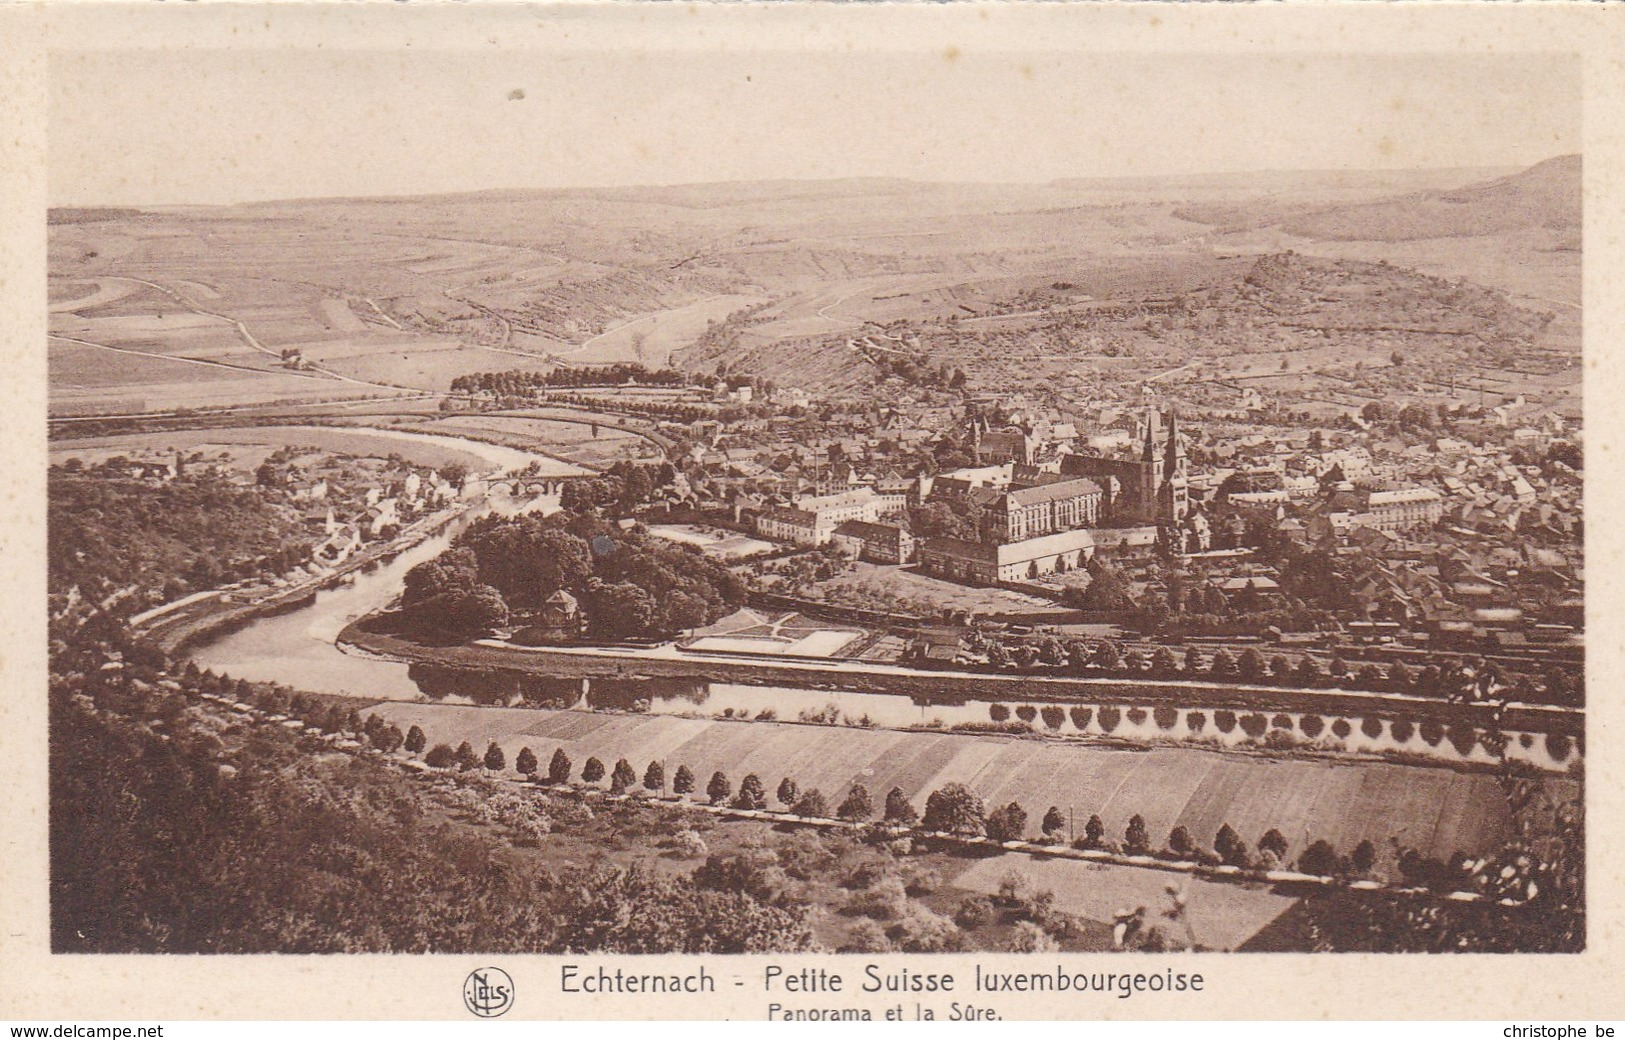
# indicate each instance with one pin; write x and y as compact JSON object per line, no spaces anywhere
{"x":853,"y":178}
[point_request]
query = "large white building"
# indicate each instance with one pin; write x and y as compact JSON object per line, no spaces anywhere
{"x":857,"y":504}
{"x":814,"y":518}
{"x":982,"y":563}
{"x":1397,"y":510}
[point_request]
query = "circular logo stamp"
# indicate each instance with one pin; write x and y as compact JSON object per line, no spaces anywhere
{"x":488,"y":992}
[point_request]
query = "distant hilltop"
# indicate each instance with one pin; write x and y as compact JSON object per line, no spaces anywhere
{"x":87,"y":215}
{"x":1545,"y":197}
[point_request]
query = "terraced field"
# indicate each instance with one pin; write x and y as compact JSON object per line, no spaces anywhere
{"x":1439,"y":811}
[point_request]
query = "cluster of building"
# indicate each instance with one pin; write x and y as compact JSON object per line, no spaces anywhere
{"x":348,"y":508}
{"x":1038,"y":498}
{"x":1034,"y":510}
{"x":1045,"y":512}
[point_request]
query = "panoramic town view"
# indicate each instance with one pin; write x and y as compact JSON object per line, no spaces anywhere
{"x":1177,"y":561}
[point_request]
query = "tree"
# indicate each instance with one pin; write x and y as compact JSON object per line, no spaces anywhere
{"x":527,"y":559}
{"x":1107,"y":656}
{"x":1364,"y":858}
{"x":1030,"y":938}
{"x":495,"y":760}
{"x":333,"y":720}
{"x":1231,"y":849}
{"x":1251,"y":665}
{"x":1319,"y":858}
{"x":812,"y":805}
{"x":466,"y":758}
{"x":1093,"y":832}
{"x":526,"y":762}
{"x":593,"y":771}
{"x":389,"y":739}
{"x":1054,"y":822}
{"x":954,"y":808}
{"x":1274,"y":843}
{"x":440,"y":756}
{"x":1136,"y":839}
{"x":899,"y":810}
{"x":453,"y":473}
{"x":1107,"y":590}
{"x":558,"y":768}
{"x":1308,"y":672}
{"x":451,"y":570}
{"x":974,"y":912}
{"x":857,"y":806}
{"x":719,"y":788}
{"x":623,"y":777}
{"x":636,"y":487}
{"x":1180,"y":842}
{"x":415,"y":740}
{"x":1163,"y":663}
{"x":1008,"y":823}
{"x":787,"y":792}
{"x":752,"y":793}
{"x":682,"y":782}
{"x":444,"y":599}
{"x":478,"y":611}
{"x":619,"y":610}
{"x":654,"y":778}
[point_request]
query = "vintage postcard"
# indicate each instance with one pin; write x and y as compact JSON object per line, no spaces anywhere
{"x":811,"y":513}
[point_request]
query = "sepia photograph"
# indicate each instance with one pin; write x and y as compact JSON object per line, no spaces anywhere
{"x":704,"y":501}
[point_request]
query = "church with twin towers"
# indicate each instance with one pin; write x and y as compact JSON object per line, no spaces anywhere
{"x":1151,"y":489}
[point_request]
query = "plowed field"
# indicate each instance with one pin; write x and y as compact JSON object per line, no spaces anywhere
{"x":1438,"y":810}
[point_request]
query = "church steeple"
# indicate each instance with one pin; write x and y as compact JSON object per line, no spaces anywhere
{"x":1173,"y":501}
{"x":1174,"y":457}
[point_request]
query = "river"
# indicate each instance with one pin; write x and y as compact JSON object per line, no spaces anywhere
{"x":298,"y":650}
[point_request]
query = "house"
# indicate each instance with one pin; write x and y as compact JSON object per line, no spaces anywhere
{"x":559,"y":620}
{"x":381,"y":518}
{"x":162,"y":472}
{"x":998,"y":446}
{"x":1406,"y":507}
{"x":341,"y":541}
{"x":1242,"y":588}
{"x":796,"y":526}
{"x":878,"y":543}
{"x":856,"y":504}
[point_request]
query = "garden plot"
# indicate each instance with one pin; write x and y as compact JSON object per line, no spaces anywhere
{"x":821,"y":643}
{"x":790,"y":635}
{"x":728,"y":546}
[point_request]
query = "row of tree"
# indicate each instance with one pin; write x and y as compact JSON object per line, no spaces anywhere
{"x":952,"y":809}
{"x":517,"y":382}
{"x":1452,"y":680}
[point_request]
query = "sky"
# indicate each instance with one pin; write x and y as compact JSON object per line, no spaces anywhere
{"x":150,"y":127}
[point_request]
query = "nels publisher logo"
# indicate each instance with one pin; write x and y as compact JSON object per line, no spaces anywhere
{"x":488,"y":992}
